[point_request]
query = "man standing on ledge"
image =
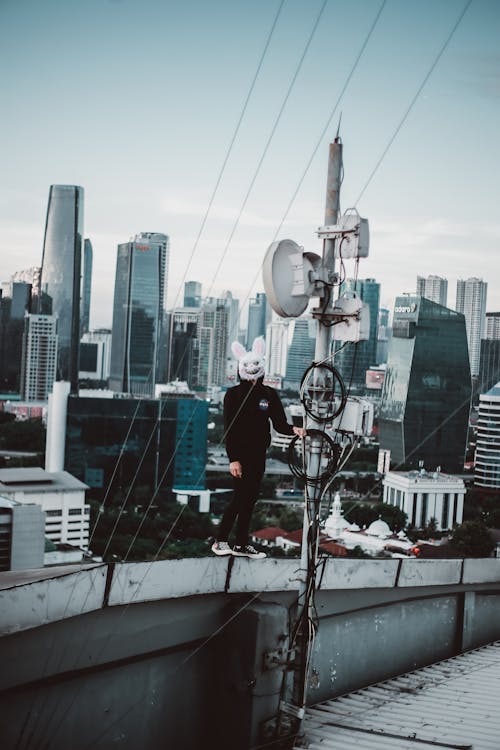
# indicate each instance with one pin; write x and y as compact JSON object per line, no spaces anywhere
{"x":248,"y":407}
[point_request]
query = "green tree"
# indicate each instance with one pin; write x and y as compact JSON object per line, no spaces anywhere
{"x":364,"y":513}
{"x":472,"y":539}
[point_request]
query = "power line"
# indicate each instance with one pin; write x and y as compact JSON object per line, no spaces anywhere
{"x":413,"y":101}
{"x":322,"y":135}
{"x":268,"y":142}
{"x":230,"y":147}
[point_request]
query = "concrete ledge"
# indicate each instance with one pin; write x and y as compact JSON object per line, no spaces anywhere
{"x":429,"y":572}
{"x":359,"y":574}
{"x":264,"y":575}
{"x":48,"y":599}
{"x":165,"y":579}
{"x":482,"y":570}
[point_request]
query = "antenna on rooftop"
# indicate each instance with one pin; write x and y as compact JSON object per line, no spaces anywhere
{"x":292,"y":278}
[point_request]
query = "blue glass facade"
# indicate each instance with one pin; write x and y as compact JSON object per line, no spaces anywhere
{"x":258,"y":316}
{"x":60,"y":277}
{"x":424,"y":411}
{"x":138,"y":314}
{"x":301,"y":351}
{"x":115,"y":444}
{"x":355,"y":359}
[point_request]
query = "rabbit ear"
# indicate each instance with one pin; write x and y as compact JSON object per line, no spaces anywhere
{"x":259,"y":346}
{"x":238,"y":349}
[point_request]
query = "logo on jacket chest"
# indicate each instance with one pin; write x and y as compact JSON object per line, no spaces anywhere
{"x":264,"y":404}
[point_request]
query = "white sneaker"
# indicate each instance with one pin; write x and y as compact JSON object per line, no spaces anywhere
{"x":221,"y":548}
{"x":248,"y":551}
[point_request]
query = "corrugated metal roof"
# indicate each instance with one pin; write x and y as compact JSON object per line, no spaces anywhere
{"x":453,"y":704}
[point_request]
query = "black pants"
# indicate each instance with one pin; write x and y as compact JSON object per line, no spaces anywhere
{"x":246,"y":492}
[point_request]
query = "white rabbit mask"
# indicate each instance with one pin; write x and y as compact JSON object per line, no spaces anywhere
{"x":250,"y":364}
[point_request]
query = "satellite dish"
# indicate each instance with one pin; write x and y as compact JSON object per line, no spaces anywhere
{"x":288,"y":275}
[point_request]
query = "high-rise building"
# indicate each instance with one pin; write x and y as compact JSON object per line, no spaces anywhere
{"x":355,"y":359}
{"x":39,"y":358}
{"x":489,"y":366}
{"x":259,"y":315}
{"x":61,"y":271}
{"x":471,"y":302}
{"x":424,"y":410}
{"x":155,"y":444}
{"x":492,"y":325}
{"x":212,"y":338}
{"x":192,"y":294}
{"x":434,"y":288}
{"x":384,"y":334}
{"x":30,"y":276}
{"x":233,"y":306}
{"x":86,"y":286}
{"x":277,"y":346}
{"x":487,"y":459}
{"x":301,"y":351}
{"x":15,"y":303}
{"x":140,"y":283}
{"x":95,"y":355}
{"x":184,"y":345}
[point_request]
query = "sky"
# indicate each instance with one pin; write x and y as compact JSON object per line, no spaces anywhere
{"x":142,"y":102}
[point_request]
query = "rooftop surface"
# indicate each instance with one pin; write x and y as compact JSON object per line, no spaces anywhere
{"x":35,"y":479}
{"x":450,"y":704}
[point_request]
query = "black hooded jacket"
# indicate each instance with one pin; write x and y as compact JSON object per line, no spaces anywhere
{"x":248,"y":408}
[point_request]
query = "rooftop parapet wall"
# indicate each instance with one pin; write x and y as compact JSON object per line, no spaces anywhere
{"x":34,"y":598}
{"x":126,"y":643}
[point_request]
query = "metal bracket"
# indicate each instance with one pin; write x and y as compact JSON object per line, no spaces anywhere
{"x":288,"y":708}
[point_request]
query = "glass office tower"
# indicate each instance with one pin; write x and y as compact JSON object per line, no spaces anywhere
{"x":60,"y":277}
{"x":141,"y":271}
{"x":300,"y":352}
{"x":354,"y":360}
{"x":424,"y":412}
{"x":86,"y":287}
{"x":259,"y":315}
{"x":119,"y":444}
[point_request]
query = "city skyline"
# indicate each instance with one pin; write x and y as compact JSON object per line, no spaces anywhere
{"x":156,"y":172}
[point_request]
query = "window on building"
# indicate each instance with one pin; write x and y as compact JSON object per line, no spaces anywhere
{"x":75,"y":512}
{"x":53,"y":513}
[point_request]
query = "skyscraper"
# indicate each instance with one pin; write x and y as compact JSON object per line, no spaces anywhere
{"x":277,"y":346}
{"x":212,"y":342}
{"x":259,"y":315}
{"x":61,"y":271}
{"x":471,"y":302}
{"x":434,"y":288}
{"x":424,"y":411}
{"x":38,"y":369}
{"x":301,"y":351}
{"x":14,"y":304}
{"x":492,"y":325}
{"x":384,"y":334}
{"x":192,"y":294}
{"x":233,"y":306}
{"x":184,"y":345}
{"x":489,"y":366}
{"x":140,"y":283}
{"x":354,"y":360}
{"x":86,"y":287}
{"x":487,"y":459}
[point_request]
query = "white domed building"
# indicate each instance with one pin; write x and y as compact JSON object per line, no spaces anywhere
{"x":377,"y":538}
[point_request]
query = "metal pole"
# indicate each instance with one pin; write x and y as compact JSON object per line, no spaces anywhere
{"x":322,"y":351}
